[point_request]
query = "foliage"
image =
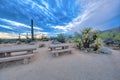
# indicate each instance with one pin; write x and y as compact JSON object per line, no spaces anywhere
{"x":88,"y":38}
{"x":78,"y":42}
{"x":25,"y":40}
{"x":95,"y":34}
{"x":113,"y":35}
{"x":61,"y":38}
{"x":97,"y":44}
{"x":117,"y":37}
{"x":105,"y":35}
{"x":18,"y":42}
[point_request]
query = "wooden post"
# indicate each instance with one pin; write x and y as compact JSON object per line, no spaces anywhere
{"x":32,"y":30}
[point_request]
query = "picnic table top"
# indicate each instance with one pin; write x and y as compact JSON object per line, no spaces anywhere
{"x":59,"y":45}
{"x":17,"y":48}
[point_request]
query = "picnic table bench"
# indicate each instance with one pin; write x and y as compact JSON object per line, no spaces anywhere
{"x":59,"y":48}
{"x":5,"y":53}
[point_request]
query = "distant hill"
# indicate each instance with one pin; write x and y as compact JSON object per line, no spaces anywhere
{"x":114,"y":29}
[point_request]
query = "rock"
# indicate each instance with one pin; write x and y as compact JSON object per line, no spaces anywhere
{"x":18,"y":42}
{"x":104,"y":50}
{"x":41,"y":45}
{"x":32,"y":43}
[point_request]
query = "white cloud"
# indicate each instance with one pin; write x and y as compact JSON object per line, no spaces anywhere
{"x":7,"y":35}
{"x":14,"y":23}
{"x":46,"y":10}
{"x":45,"y":3}
{"x":80,"y":19}
{"x":94,"y":14}
{"x":7,"y":27}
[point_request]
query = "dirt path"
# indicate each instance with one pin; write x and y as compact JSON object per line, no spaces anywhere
{"x":76,"y":66}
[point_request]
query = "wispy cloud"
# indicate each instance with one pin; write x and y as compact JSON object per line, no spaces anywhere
{"x":94,"y":15}
{"x":80,"y":19}
{"x":7,"y":35}
{"x":56,"y":16}
{"x":18,"y":24}
{"x":7,"y":27}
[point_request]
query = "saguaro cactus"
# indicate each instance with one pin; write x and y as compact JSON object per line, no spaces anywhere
{"x":19,"y":37}
{"x":27,"y":35}
{"x":32,"y":30}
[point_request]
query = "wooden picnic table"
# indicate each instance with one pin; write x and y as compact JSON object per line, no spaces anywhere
{"x":55,"y":46}
{"x":5,"y":52}
{"x":19,"y":48}
{"x":59,"y":48}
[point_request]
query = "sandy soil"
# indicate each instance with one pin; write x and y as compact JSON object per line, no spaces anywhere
{"x":75,"y":66}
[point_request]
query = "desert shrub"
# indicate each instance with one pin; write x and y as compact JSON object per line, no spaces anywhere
{"x":117,"y":37}
{"x":95,"y":35}
{"x":61,"y":38}
{"x":86,"y":37}
{"x":25,"y":40}
{"x":78,"y":42}
{"x":97,"y":44}
{"x":18,"y":42}
{"x":105,"y":35}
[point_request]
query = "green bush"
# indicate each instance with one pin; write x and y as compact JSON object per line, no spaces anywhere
{"x":61,"y":38}
{"x":98,"y":44}
{"x":78,"y":42}
{"x":117,"y":37}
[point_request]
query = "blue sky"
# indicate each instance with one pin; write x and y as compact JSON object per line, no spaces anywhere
{"x":52,"y":17}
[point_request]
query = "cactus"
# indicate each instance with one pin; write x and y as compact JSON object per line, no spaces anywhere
{"x":95,"y":35}
{"x":78,"y":42}
{"x":86,"y":37}
{"x":97,"y":44}
{"x":32,"y":30}
{"x":19,"y":37}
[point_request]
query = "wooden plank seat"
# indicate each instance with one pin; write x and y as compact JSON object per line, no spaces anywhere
{"x":25,"y":58}
{"x":57,"y":52}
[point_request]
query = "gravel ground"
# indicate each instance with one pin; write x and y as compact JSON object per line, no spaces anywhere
{"x":76,"y":66}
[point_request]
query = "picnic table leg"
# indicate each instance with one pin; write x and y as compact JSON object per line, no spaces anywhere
{"x":2,"y":55}
{"x":29,"y":51}
{"x":8,"y":54}
{"x":26,"y":61}
{"x":57,"y":54}
{"x":51,"y":49}
{"x":70,"y":52}
{"x":63,"y":47}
